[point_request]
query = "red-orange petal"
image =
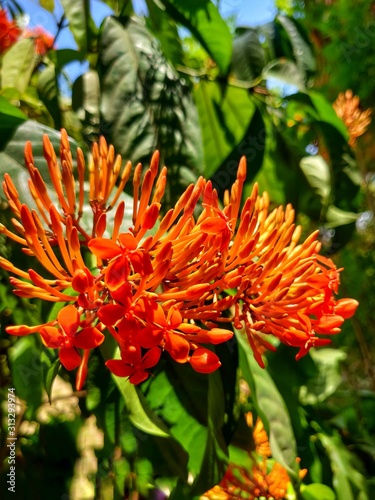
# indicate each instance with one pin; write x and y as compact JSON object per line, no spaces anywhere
{"x":68,"y":318}
{"x":149,"y":337}
{"x":109,"y":314}
{"x":88,"y":338}
{"x":104,"y":248}
{"x":177,"y":347}
{"x":204,"y":361}
{"x":119,"y":368}
{"x":151,"y":357}
{"x":52,"y":337}
{"x":128,"y":241}
{"x":346,"y":307}
{"x":69,"y":357}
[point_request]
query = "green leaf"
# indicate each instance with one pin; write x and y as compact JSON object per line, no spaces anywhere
{"x":12,"y":156}
{"x":10,"y":116}
{"x":336,"y":217}
{"x":86,"y":101}
{"x":62,"y":57}
{"x":348,"y":482}
{"x":50,"y":373}
{"x":317,"y":491}
{"x":302,"y":49}
{"x":27,"y":373}
{"x":48,"y":4}
{"x":48,"y":91}
{"x":318,"y":175}
{"x":165,"y":30}
{"x":204,"y":21}
{"x":18,"y":64}
{"x":121,"y":8}
{"x":248,"y":58}
{"x":215,"y":458}
{"x":328,"y":378}
{"x":81,"y":24}
{"x":271,"y":408}
{"x":140,"y":414}
{"x":284,"y":70}
{"x":225,"y":114}
{"x":145,"y":105}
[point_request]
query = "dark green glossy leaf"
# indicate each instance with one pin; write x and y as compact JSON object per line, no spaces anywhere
{"x":10,"y":116}
{"x":248,"y":58}
{"x":62,"y":57}
{"x":50,"y":372}
{"x":203,"y":19}
{"x":348,"y":482}
{"x":165,"y":30}
{"x":48,"y":91}
{"x":225,"y":114}
{"x":271,"y":408}
{"x":328,"y":377}
{"x":121,"y":8}
{"x":12,"y":156}
{"x":286,"y":71}
{"x":145,"y":105}
{"x":301,"y":48}
{"x":27,"y":373}
{"x":215,"y":458}
{"x":81,"y":25}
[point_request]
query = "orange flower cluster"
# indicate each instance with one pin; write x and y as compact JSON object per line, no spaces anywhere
{"x":262,"y":480}
{"x":347,"y":107}
{"x":10,"y":33}
{"x":166,"y":283}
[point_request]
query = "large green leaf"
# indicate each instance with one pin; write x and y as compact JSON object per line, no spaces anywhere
{"x":27,"y":374}
{"x":225,"y":114}
{"x":248,"y":58}
{"x":328,"y":376}
{"x":204,"y":21}
{"x":271,"y":408}
{"x":17,"y":65}
{"x":284,"y":70}
{"x":10,"y":116}
{"x":165,"y":30}
{"x":48,"y":91}
{"x":348,"y":482}
{"x":302,"y":51}
{"x":317,"y":491}
{"x":12,"y":155}
{"x":86,"y":103}
{"x":215,"y":458}
{"x":145,"y":105}
{"x":192,"y":405}
{"x":81,"y":24}
{"x":318,"y":175}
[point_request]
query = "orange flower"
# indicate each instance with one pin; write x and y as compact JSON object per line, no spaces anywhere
{"x":9,"y":32}
{"x":250,"y":485}
{"x":163,"y":283}
{"x":347,"y":107}
{"x":42,"y":39}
